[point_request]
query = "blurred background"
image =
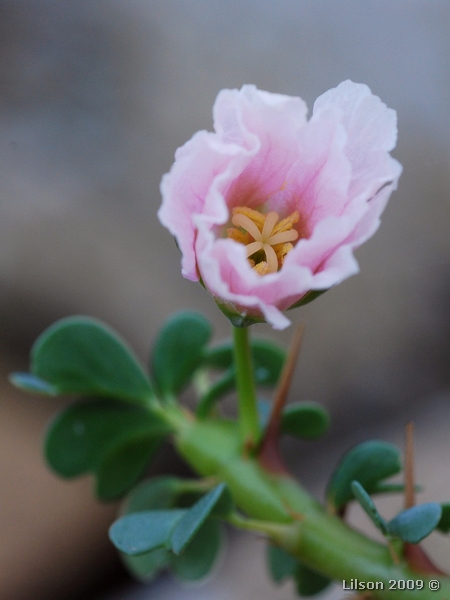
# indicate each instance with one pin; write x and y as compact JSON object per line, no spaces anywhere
{"x":95,"y":97}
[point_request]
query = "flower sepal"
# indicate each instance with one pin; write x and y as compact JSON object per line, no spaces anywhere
{"x":238,"y":318}
{"x":243,"y":318}
{"x":308,"y":297}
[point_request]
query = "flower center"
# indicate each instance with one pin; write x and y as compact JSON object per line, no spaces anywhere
{"x":267,"y":239}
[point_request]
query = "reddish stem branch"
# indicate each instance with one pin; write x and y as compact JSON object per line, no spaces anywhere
{"x":418,"y":561}
{"x":415,"y":556}
{"x":269,"y":453}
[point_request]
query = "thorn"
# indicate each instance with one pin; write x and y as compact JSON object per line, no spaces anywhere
{"x":269,"y":454}
{"x":415,"y":556}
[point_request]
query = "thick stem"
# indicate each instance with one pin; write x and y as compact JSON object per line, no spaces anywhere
{"x":248,"y":413}
{"x":292,"y":519}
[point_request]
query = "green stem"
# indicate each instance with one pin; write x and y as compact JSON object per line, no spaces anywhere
{"x":248,"y":413}
{"x":280,"y":508}
{"x":268,"y":528}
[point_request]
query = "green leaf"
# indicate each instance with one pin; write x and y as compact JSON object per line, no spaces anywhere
{"x":369,"y":463}
{"x":194,"y":537}
{"x":169,"y":492}
{"x":222,"y":386}
{"x":178,"y":351}
{"x":309,"y":582}
{"x":219,"y":357}
{"x":194,"y":518}
{"x":80,"y":355}
{"x":155,"y":493}
{"x":144,"y":531}
{"x":368,"y":506}
{"x":121,"y":466}
{"x":268,"y":359}
{"x":281,"y":564}
{"x":414,"y":524}
{"x":224,"y":506}
{"x":201,"y":553}
{"x":444,"y":522}
{"x":307,"y":420}
{"x":81,"y":435}
{"x":31,"y":383}
{"x":146,"y":566}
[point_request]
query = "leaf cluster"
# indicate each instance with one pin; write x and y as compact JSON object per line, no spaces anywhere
{"x":117,"y":426}
{"x":362,"y":472}
{"x":168,"y":525}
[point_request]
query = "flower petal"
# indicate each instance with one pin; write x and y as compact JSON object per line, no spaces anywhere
{"x":372,"y":132}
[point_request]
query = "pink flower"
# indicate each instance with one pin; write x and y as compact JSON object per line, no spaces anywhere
{"x":271,"y":205}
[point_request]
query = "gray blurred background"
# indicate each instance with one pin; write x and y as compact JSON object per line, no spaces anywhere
{"x":95,"y":97}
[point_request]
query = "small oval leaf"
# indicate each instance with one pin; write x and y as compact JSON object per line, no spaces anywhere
{"x":147,"y":566}
{"x":178,"y":351}
{"x":369,"y":463}
{"x":121,"y":466}
{"x":31,"y":383}
{"x":368,"y":506}
{"x":201,"y":553}
{"x":194,"y":518}
{"x":414,"y":524}
{"x":444,"y":521}
{"x":305,"y":420}
{"x":309,"y":582}
{"x":82,"y":433}
{"x":220,"y":388}
{"x":155,"y":493}
{"x":268,"y":359}
{"x":281,"y":564}
{"x":81,"y":355}
{"x":144,"y":531}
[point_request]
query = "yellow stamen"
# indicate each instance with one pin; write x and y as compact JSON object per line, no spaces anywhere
{"x":262,"y":268}
{"x":261,"y":233}
{"x":283,"y":251}
{"x":286,"y":223}
{"x":254,"y":215}
{"x":243,"y":237}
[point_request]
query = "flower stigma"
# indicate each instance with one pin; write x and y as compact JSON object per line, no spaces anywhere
{"x":267,"y":239}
